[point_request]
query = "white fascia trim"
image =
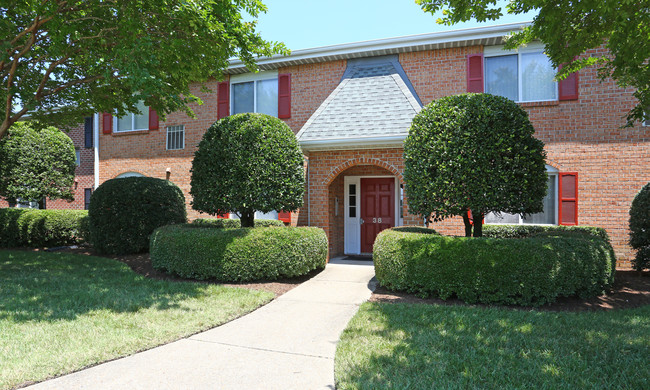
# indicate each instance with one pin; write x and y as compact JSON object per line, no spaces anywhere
{"x":396,"y":141}
{"x":345,"y":49}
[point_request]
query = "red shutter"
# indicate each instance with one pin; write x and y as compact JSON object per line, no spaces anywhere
{"x":284,"y":216}
{"x":224,"y":216}
{"x":568,"y":88}
{"x":475,"y":73}
{"x":568,"y":202}
{"x":107,"y":123}
{"x":223,"y":100}
{"x":471,"y":218}
{"x":153,"y":119}
{"x":284,"y":96}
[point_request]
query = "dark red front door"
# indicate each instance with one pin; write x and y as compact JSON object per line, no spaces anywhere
{"x":377,"y":209}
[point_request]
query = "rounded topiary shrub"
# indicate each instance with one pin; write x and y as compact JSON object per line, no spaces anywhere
{"x":124,"y":212}
{"x":640,"y":228}
{"x":247,"y":163}
{"x":233,"y":223}
{"x":39,"y":228}
{"x":238,"y":255}
{"x":526,"y":271}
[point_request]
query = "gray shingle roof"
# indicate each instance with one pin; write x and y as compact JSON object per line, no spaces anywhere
{"x":373,"y":99}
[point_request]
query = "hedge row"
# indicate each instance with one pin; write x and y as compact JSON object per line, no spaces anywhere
{"x":233,"y":223}
{"x":522,"y":231}
{"x":42,"y":228}
{"x":527,"y":271}
{"x":238,"y":255}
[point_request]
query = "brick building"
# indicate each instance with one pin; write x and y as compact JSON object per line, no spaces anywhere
{"x":351,"y":105}
{"x":83,"y":137}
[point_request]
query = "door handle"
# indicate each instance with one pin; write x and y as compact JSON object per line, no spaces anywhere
{"x":361,"y":221}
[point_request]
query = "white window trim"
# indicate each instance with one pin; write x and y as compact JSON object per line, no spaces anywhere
{"x":246,"y":78}
{"x":499,"y":51}
{"x":167,"y":137}
{"x":550,"y":171}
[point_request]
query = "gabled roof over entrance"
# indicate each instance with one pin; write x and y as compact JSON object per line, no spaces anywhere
{"x":372,"y":106}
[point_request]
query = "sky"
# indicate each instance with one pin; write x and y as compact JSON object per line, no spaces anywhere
{"x":303,"y":24}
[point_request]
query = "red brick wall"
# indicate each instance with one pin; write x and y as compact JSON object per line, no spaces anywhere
{"x":83,"y":174}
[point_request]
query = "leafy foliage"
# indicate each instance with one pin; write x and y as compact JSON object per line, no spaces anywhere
{"x":568,"y":29}
{"x":233,"y":223}
{"x":36,"y":164}
{"x":124,"y":212}
{"x":473,"y":152}
{"x":238,"y":255}
{"x":247,"y":162}
{"x":526,"y":271}
{"x":522,"y":231}
{"x":42,"y":228}
{"x":640,"y":228}
{"x":63,"y":60}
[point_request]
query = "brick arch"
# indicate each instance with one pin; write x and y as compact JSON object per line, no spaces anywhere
{"x":361,"y":161}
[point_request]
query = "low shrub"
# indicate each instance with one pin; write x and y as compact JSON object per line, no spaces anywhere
{"x":41,"y":228}
{"x":124,"y":212}
{"x":238,"y":255}
{"x":233,"y":223}
{"x":527,"y":271}
{"x":415,"y":229}
{"x":640,"y":228}
{"x":522,"y":231}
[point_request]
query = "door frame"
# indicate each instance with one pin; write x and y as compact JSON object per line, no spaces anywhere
{"x":351,"y":226}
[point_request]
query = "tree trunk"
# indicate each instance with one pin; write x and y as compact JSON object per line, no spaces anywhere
{"x":478,"y":224}
{"x":42,"y":205}
{"x":247,"y":218}
{"x":468,"y":225}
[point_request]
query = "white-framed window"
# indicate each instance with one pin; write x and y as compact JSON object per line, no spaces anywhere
{"x":523,"y":75}
{"x":254,"y":93}
{"x":132,"y":121}
{"x":547,"y":217}
{"x":175,"y":137}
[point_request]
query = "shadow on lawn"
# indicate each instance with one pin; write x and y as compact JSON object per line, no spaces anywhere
{"x":470,"y":347}
{"x":54,"y":286}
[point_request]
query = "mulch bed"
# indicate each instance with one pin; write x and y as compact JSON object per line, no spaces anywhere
{"x":631,"y":289}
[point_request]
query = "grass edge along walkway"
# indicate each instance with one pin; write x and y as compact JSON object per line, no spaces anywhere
{"x":62,"y":312}
{"x":417,"y":346}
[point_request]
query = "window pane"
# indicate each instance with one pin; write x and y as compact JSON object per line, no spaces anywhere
{"x":242,"y":98}
{"x":537,"y":77}
{"x":501,"y":76}
{"x":125,"y":123}
{"x":548,"y":215}
{"x":269,"y":215}
{"x":142,"y":120}
{"x":267,"y":97}
{"x":502,"y":218}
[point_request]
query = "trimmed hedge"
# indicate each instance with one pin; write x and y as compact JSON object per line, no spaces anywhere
{"x":42,"y":228}
{"x":523,"y":231}
{"x":414,"y":229}
{"x":640,"y":228}
{"x":233,"y":223}
{"x":238,"y":255}
{"x":124,"y":212}
{"x":527,"y":271}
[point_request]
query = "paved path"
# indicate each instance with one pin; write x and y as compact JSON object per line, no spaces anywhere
{"x":287,"y":344}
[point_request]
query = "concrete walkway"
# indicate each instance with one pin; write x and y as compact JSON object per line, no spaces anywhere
{"x":287,"y":344}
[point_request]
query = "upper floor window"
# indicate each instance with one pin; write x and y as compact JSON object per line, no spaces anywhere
{"x":525,"y":75}
{"x":254,"y":93}
{"x":132,"y":121}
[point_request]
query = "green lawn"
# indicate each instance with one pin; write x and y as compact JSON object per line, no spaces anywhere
{"x":62,"y":312}
{"x":417,"y":346}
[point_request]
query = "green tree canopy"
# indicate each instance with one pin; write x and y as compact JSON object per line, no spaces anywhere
{"x":247,"y":163}
{"x":473,"y":152}
{"x":36,"y":163}
{"x":61,"y":60}
{"x":569,"y":28}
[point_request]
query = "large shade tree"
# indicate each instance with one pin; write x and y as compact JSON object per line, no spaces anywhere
{"x":247,"y":163}
{"x":61,"y":60}
{"x":569,"y":28}
{"x":473,"y":153}
{"x":36,"y":163}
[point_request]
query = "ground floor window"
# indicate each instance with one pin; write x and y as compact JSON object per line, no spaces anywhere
{"x":546,"y":217}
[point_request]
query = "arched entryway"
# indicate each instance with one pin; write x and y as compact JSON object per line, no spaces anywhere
{"x":362,"y":200}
